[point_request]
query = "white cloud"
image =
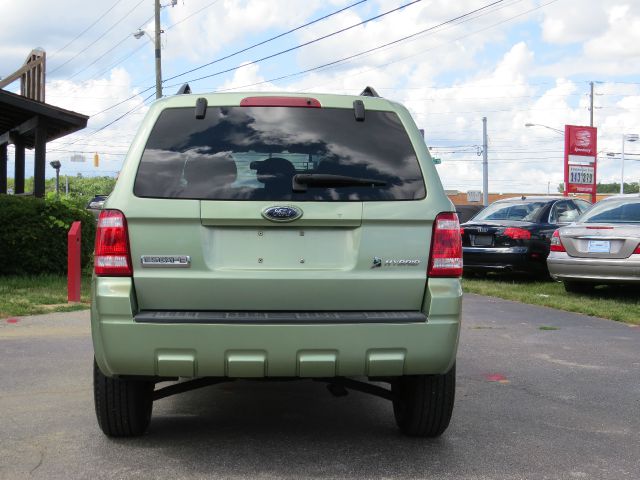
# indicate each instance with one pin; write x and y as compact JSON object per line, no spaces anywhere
{"x":51,"y":25}
{"x":572,"y":22}
{"x":89,"y":98}
{"x":607,"y":33}
{"x":248,"y":79}
{"x":215,"y":28}
{"x":511,"y":69}
{"x":620,"y":41}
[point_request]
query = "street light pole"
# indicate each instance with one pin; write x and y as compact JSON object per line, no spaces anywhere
{"x":629,"y":137}
{"x":157,"y":42}
{"x":56,"y":165}
{"x":557,"y":130}
{"x":485,"y":164}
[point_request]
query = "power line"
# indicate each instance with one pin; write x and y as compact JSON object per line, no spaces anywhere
{"x":352,"y":56}
{"x":460,"y":38}
{"x":85,"y":30}
{"x":123,"y":101}
{"x":227,"y":56}
{"x":453,"y":24}
{"x":97,"y":39}
{"x":133,"y":52}
{"x":315,"y":68}
{"x":120,"y":117}
{"x":282,"y":52}
{"x":355,"y":55}
{"x":98,"y":130}
{"x":191,"y":15}
{"x":105,"y":53}
{"x":274,"y":38}
{"x":129,"y":55}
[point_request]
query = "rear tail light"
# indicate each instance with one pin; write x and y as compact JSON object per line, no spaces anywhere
{"x":112,"y":256}
{"x":445,"y":259}
{"x":556,"y":243}
{"x":517,"y":233}
{"x":637,"y":250}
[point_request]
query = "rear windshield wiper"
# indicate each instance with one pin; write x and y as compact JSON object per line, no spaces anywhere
{"x":303,"y":180}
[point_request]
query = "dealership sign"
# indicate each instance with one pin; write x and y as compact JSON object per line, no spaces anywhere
{"x":580,"y":155}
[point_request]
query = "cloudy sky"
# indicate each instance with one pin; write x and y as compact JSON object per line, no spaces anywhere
{"x":450,"y":63}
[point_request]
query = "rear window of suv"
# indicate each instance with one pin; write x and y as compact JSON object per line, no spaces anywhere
{"x":253,"y":153}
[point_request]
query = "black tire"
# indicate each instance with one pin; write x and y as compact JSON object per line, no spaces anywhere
{"x":423,"y":404}
{"x":578,"y":287}
{"x":123,"y":407}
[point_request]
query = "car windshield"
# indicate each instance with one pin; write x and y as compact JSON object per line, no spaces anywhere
{"x":253,"y":153}
{"x":613,"y":211}
{"x":523,"y":211}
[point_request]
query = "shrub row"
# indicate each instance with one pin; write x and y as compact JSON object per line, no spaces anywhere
{"x":33,"y":234}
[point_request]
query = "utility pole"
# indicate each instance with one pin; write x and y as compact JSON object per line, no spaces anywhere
{"x":157,"y":45}
{"x":622,"y":167}
{"x":485,"y":164}
{"x":591,"y":107}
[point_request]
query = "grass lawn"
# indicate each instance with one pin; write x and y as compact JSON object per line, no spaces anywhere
{"x":620,"y":303}
{"x":39,"y":294}
{"x":48,"y":293}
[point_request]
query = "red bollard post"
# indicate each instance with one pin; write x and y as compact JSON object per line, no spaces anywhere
{"x":74,"y":238}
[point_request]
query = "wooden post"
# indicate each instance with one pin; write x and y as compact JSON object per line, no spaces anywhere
{"x":3,"y":168}
{"x":74,"y":243}
{"x":40,"y":159}
{"x":18,"y":186}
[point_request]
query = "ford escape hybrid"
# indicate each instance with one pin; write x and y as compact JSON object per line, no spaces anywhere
{"x":262,"y":236}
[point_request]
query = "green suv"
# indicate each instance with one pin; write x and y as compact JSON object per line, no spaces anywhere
{"x":271,"y":236}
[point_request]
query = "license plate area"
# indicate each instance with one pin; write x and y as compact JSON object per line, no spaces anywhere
{"x":269,"y":248}
{"x":599,"y":246}
{"x":482,"y":240}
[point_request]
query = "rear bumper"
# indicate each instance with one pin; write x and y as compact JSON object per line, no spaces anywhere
{"x":564,"y":267}
{"x":513,"y":259}
{"x":124,"y":346}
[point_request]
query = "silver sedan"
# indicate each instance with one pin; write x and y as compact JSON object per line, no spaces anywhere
{"x":602,"y":247}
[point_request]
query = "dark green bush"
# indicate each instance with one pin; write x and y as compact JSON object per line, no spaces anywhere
{"x":33,"y":234}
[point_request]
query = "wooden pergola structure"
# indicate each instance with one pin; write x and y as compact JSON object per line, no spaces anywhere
{"x":27,"y":122}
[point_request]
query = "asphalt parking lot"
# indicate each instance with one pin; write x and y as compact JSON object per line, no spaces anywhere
{"x":531,"y":403}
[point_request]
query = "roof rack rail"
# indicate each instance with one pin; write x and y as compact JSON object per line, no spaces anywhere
{"x":369,"y":92}
{"x":185,"y":89}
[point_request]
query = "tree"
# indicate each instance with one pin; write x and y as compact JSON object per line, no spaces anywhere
{"x":611,"y":187}
{"x":615,"y":187}
{"x":81,"y":189}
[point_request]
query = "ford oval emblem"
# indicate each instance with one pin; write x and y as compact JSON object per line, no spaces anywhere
{"x":282,"y":213}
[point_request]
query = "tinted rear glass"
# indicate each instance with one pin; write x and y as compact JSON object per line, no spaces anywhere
{"x":523,"y":211}
{"x":252,"y":153}
{"x":613,"y":211}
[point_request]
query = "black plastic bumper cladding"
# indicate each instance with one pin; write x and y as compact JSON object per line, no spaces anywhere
{"x":294,"y":318}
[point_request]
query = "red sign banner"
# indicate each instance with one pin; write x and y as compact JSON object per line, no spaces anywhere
{"x":580,"y":160}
